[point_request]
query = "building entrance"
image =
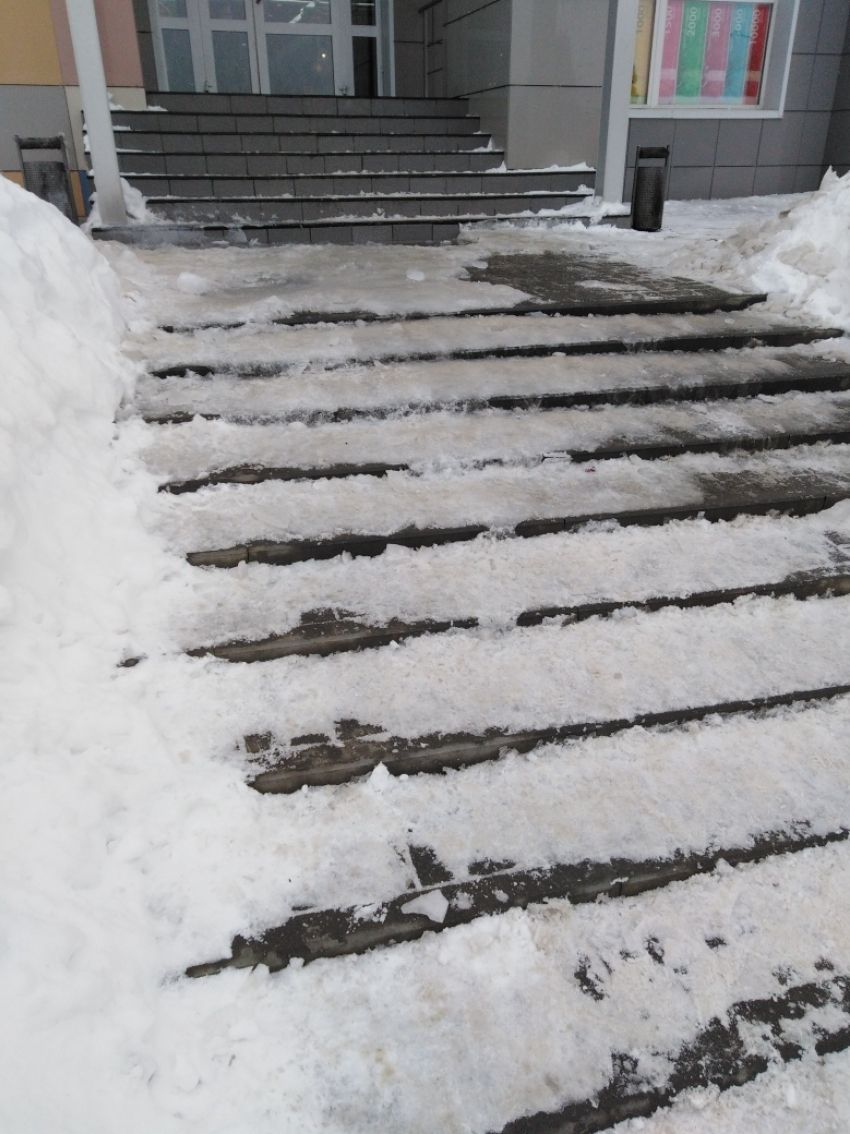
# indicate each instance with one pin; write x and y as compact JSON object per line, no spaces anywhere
{"x":285,"y":47}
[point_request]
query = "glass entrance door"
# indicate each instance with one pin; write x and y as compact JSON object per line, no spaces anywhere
{"x":287,"y":47}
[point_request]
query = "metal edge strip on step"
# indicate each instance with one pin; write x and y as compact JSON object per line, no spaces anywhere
{"x":255,"y":474}
{"x":692,"y":305}
{"x":323,"y":934}
{"x":344,"y":633}
{"x":818,"y":376}
{"x":284,"y":553}
{"x":328,"y":764}
{"x":691,"y":343}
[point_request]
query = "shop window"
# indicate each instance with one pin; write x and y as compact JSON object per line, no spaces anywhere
{"x":698,"y":55}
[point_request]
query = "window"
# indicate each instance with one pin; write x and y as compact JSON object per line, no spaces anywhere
{"x":711,"y":55}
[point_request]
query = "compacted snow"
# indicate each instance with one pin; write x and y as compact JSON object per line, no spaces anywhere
{"x":131,"y":847}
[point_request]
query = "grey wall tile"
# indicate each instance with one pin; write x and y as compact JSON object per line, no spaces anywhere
{"x":408,"y":24}
{"x":32,"y":112}
{"x":733,"y":181}
{"x":808,"y":26}
{"x":774,"y":179}
{"x":780,"y":139}
{"x":799,"y":82}
{"x":457,"y":9}
{"x":628,"y":184}
{"x":695,"y":141}
{"x":738,"y":141}
{"x":690,"y":184}
{"x":833,"y":27}
{"x":478,"y":50}
{"x":837,"y":152}
{"x":553,"y":125}
{"x":409,"y":70}
{"x":650,"y":132}
{"x":813,"y":145}
{"x":808,"y":178}
{"x":492,"y":108}
{"x":842,"y":86}
{"x":824,"y":81}
{"x":559,"y":42}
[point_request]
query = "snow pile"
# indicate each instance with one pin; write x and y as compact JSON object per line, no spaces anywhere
{"x":803,"y":255}
{"x":74,"y":562}
{"x":63,"y":377}
{"x":135,"y":202}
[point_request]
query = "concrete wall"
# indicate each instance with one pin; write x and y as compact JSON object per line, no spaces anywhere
{"x":838,"y":139}
{"x":738,"y":157}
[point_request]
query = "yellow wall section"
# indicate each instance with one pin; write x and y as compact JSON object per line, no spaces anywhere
{"x":13,"y":175}
{"x":28,"y":52}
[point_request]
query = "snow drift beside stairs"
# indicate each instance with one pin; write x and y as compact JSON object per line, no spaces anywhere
{"x":61,"y":519}
{"x":73,"y":562}
{"x":802,"y":257}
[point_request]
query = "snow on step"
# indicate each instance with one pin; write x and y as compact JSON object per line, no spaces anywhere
{"x":348,"y":846}
{"x":810,"y":1094}
{"x":593,"y":671}
{"x":200,"y":448}
{"x":495,"y":581}
{"x":228,"y":515}
{"x":338,"y":343}
{"x":447,"y":382}
{"x":664,"y":965}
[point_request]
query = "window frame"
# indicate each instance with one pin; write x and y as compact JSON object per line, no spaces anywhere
{"x":783,"y":28}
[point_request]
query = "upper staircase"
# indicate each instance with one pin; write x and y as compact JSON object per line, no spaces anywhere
{"x":282,"y":169}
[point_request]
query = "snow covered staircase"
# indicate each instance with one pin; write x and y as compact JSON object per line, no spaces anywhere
{"x":554,"y":694}
{"x":276,"y":169}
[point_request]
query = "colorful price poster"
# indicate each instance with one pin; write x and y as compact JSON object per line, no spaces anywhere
{"x":670,"y":50}
{"x":739,"y":52}
{"x":692,"y":50}
{"x":716,"y":52}
{"x":758,"y":52}
{"x":643,"y":51}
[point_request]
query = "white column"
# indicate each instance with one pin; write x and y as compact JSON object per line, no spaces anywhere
{"x":616,"y":100}
{"x":92,"y":79}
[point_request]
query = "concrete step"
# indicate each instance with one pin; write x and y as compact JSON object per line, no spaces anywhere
{"x":282,"y":160}
{"x":187,"y":458}
{"x":725,"y":496}
{"x":307,"y":210}
{"x":553,"y":383}
{"x":322,"y":633}
{"x":329,"y":933}
{"x":194,"y":104}
{"x":185,"y":134}
{"x":272,"y":350}
{"x":308,"y":141}
{"x":277,"y":164}
{"x":234,"y":184}
{"x":424,"y":230}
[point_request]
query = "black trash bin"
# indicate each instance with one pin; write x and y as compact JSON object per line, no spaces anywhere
{"x":650,"y":188}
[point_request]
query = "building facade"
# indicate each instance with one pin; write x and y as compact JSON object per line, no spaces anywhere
{"x":752,"y":97}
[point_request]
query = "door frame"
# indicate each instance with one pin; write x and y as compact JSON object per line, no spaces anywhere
{"x":341,"y":30}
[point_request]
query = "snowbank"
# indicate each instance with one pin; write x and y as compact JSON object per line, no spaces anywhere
{"x":803,"y":255}
{"x":74,"y":562}
{"x":63,"y":524}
